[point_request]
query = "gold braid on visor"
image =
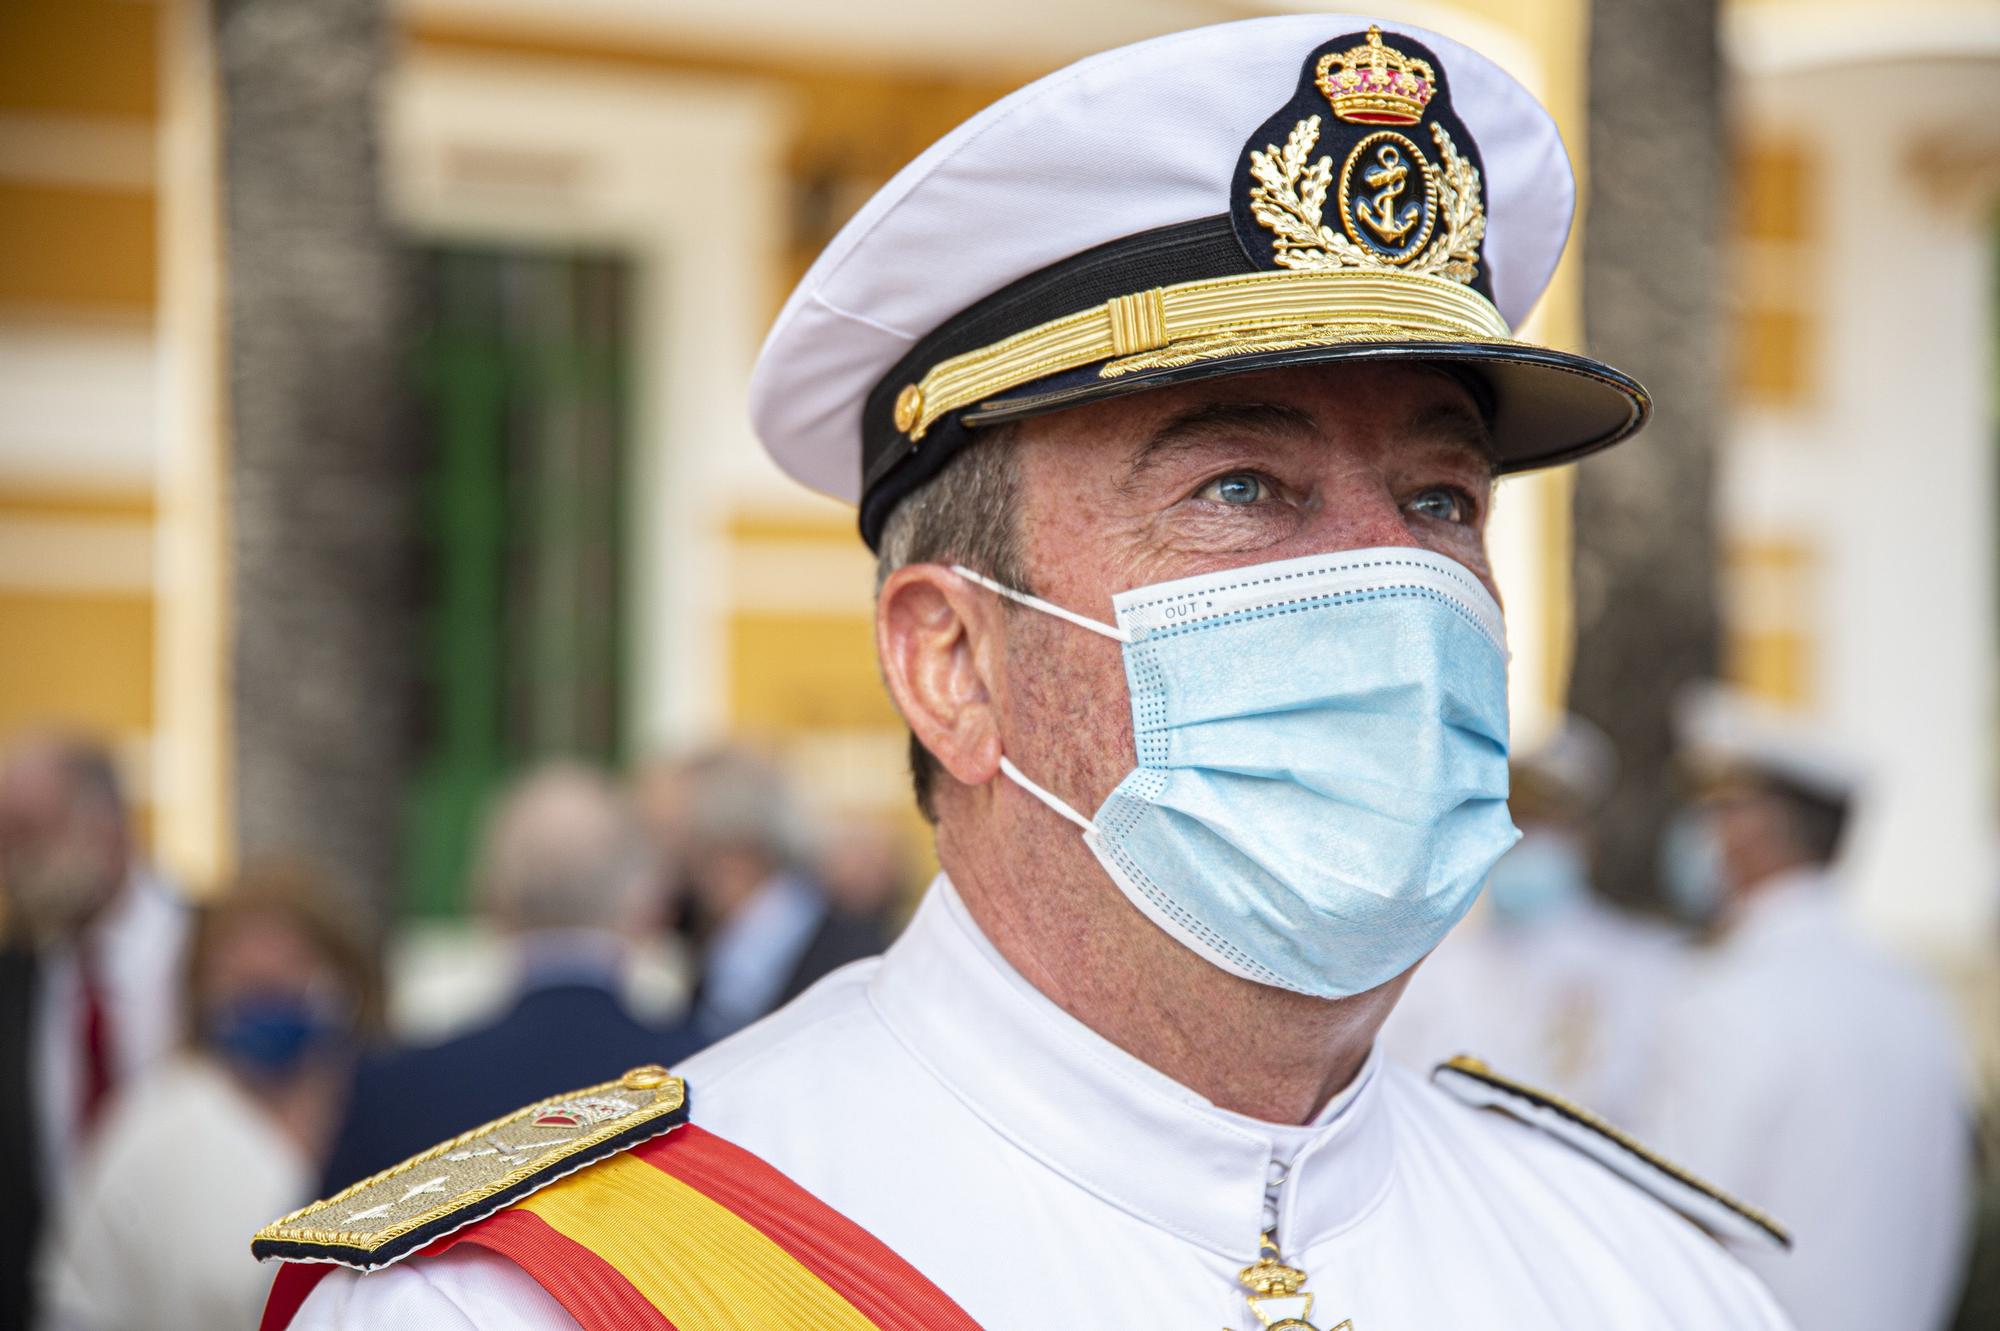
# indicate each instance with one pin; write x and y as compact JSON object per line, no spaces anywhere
{"x":1195,"y":321}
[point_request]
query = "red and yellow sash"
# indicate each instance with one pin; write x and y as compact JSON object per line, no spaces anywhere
{"x":687,"y":1232}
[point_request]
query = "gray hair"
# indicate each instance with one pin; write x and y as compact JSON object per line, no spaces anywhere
{"x":966,"y":514}
{"x":81,"y":768}
{"x":739,"y":801}
{"x":564,"y":850}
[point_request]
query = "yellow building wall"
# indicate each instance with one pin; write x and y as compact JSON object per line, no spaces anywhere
{"x":76,"y":619}
{"x":1768,"y":580}
{"x":70,"y":249}
{"x":78,"y":57}
{"x":1769,"y":588}
{"x":803,"y":681}
{"x":801,"y":631}
{"x":77,"y":252}
{"x":71,"y":659}
{"x":794,"y":671}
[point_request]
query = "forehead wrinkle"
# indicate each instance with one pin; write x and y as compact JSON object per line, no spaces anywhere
{"x":1220,"y":422}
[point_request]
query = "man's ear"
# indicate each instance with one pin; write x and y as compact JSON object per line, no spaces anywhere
{"x":937,"y":636}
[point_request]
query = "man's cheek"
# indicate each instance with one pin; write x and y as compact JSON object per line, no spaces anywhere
{"x":1074,"y":717}
{"x":1101,"y":724}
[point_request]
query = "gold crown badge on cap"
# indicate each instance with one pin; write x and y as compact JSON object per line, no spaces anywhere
{"x":1375,"y":84}
{"x":1397,"y":209}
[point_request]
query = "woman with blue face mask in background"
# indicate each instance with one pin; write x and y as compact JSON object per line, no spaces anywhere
{"x":278,"y":988}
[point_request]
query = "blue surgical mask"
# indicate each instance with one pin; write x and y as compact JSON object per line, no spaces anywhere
{"x":268,"y":1036}
{"x":1691,"y":868}
{"x":1322,"y":776}
{"x":1540,"y":878}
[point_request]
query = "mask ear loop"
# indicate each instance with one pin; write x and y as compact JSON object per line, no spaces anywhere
{"x":1046,"y":607}
{"x":1020,"y":779}
{"x":1007,"y":768}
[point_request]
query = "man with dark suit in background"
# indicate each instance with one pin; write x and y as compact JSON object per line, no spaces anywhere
{"x":728,"y":822}
{"x":21,"y":1217}
{"x":91,"y":944}
{"x":568,"y":876}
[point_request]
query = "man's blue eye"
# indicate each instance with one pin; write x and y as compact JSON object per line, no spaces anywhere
{"x":1239,"y":488}
{"x":1440,"y":505}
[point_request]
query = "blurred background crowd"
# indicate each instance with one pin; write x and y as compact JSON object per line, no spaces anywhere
{"x":419,"y":695}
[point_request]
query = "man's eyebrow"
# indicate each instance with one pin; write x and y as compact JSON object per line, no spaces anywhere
{"x":1453,"y":422}
{"x":1215,"y":420}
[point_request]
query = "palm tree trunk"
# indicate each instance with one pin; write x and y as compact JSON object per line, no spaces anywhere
{"x":322,"y":503}
{"x":1645,"y":539}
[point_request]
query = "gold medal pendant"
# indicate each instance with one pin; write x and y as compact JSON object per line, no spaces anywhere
{"x":1274,"y":1292}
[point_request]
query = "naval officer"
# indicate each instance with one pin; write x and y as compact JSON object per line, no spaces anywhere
{"x":1795,"y":1039}
{"x":1172,"y":390}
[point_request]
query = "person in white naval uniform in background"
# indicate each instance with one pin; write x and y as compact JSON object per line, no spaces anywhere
{"x":1173,"y":389}
{"x":1546,"y":977}
{"x":1800,"y":1061}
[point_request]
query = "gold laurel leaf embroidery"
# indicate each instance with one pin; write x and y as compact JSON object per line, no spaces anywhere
{"x":1455,"y":252}
{"x":1289,"y":201}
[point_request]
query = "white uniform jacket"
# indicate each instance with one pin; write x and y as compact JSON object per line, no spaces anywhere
{"x":1811,"y":1072}
{"x":189,"y":1153}
{"x":1044,"y":1178}
{"x":1570,"y":1002}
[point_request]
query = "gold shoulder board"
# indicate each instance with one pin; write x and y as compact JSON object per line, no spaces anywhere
{"x":1706,"y":1205}
{"x":386,"y":1218}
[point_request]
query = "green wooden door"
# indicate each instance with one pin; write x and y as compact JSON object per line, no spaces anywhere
{"x":522,"y":373}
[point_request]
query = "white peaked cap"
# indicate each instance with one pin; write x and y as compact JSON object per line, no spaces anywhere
{"x":1577,"y":758}
{"x":1721,"y":726}
{"x":1142,"y":137}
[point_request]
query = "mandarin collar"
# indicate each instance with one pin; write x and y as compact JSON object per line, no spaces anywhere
{"x":1108,"y":1122}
